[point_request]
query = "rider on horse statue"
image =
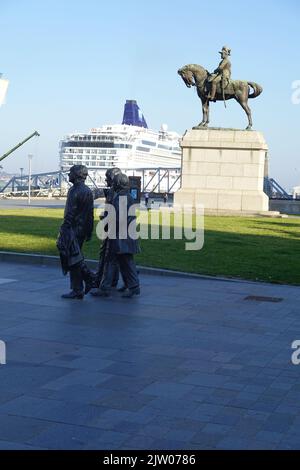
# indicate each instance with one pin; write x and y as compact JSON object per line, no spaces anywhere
{"x":221,"y":74}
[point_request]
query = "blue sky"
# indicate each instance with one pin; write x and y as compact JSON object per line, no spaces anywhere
{"x":72,"y":65}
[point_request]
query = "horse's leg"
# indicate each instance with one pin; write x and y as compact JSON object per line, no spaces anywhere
{"x":202,"y":123}
{"x":248,"y":112}
{"x":243,"y":100}
{"x":203,"y":113}
{"x":207,"y":112}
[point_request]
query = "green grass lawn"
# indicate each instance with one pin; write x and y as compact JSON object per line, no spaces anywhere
{"x":250,"y":248}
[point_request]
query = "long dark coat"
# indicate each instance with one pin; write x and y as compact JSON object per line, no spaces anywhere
{"x":127,"y":245}
{"x":77,"y":225}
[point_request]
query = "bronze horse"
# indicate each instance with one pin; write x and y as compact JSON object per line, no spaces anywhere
{"x":195,"y":75}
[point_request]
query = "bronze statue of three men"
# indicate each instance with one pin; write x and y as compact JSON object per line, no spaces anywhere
{"x":116,"y":253}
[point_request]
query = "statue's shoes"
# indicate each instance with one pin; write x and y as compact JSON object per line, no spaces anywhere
{"x":131,"y":293}
{"x":93,"y":290}
{"x":122,"y":289}
{"x":101,"y":293}
{"x":73,"y":295}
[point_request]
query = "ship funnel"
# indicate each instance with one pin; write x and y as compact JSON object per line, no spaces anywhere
{"x":132,"y":115}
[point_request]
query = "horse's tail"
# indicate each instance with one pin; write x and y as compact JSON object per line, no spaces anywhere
{"x":257,"y":90}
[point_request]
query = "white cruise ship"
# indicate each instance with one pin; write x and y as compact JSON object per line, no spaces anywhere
{"x":130,"y":146}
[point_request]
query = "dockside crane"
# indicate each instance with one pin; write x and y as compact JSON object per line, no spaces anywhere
{"x":35,"y":133}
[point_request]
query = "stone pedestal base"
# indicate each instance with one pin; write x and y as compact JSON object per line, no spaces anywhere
{"x":223,"y":170}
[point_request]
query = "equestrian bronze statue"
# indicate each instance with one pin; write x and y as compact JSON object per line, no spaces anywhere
{"x":218,"y":86}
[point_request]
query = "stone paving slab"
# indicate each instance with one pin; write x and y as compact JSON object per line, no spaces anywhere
{"x":190,"y":364}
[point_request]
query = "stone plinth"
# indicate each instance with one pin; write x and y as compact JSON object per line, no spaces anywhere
{"x":224,"y":170}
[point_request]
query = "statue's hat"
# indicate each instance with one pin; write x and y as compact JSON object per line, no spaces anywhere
{"x":225,"y":49}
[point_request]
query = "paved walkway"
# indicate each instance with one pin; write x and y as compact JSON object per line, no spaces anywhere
{"x":190,"y":364}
